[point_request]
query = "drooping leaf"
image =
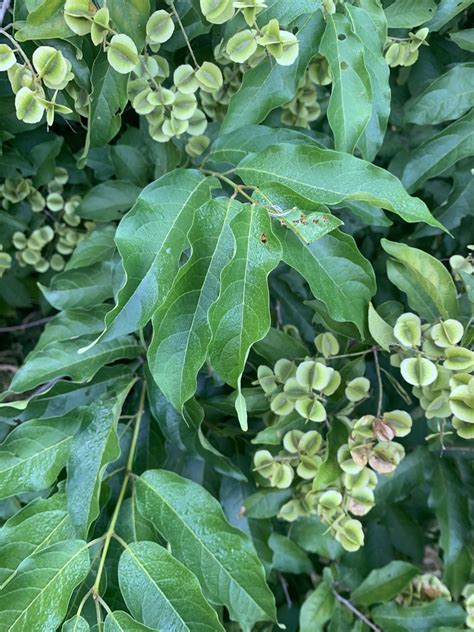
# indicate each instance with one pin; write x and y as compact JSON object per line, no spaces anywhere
{"x":429,"y":287}
{"x":288,"y":557}
{"x":181,"y":330}
{"x":317,"y":609}
{"x":393,"y":617}
{"x":221,"y":556}
{"x":108,"y":200}
{"x":152,"y":582}
{"x":350,"y":104}
{"x":383,"y":584}
{"x":38,"y":596}
{"x":329,"y":177}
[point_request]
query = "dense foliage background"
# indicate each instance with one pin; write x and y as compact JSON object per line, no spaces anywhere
{"x":236,"y":290}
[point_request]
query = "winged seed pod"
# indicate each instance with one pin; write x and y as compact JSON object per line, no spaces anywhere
{"x":27,"y":106}
{"x":350,"y":534}
{"x":7,"y":57}
{"x":447,"y":333}
{"x":209,"y":77}
{"x":52,"y":68}
{"x":100,"y":26}
{"x":418,"y":371}
{"x":250,"y":9}
{"x":407,"y":330}
{"x":77,"y":15}
{"x":122,"y":54}
{"x":241,"y":46}
{"x":327,"y":344}
{"x":159,"y":27}
{"x":357,"y":389}
{"x":217,"y":11}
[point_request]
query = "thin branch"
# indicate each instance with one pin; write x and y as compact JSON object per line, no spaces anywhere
{"x":354,"y":610}
{"x":33,"y":323}
{"x":186,"y":38}
{"x":379,"y":381}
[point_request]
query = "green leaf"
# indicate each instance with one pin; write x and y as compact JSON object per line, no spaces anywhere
{"x":152,"y":581}
{"x":75,"y":624}
{"x":123,"y":622}
{"x":450,"y":504}
{"x":41,"y":523}
{"x":288,"y":557}
{"x":151,"y":239}
{"x":63,"y":358}
{"x":464,"y":39}
{"x":107,"y":101}
{"x":221,"y":556}
{"x":329,"y":177}
{"x":130,"y":17}
{"x":241,"y":315}
{"x":447,"y":97}
{"x":45,"y":20}
{"x":266,"y":503}
{"x":380,"y":330}
{"x":336,"y":272}
{"x":92,"y":449}
{"x":400,"y":484}
{"x":269,"y":85}
{"x":130,"y":164}
{"x":108,"y":201}
{"x":181,"y":330}
{"x":94,"y":248}
{"x":37,"y":598}
{"x":429,"y":287}
{"x":72,"y":323}
{"x":395,"y":618}
{"x":330,"y":470}
{"x":350,"y":104}
{"x":317,"y":609}
{"x":446,"y":11}
{"x":370,"y":25}
{"x":35,"y":452}
{"x":312,"y":536}
{"x":384,"y":584}
{"x":439,"y":152}
{"x":405,"y":14}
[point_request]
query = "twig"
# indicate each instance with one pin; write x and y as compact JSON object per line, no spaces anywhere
{"x":10,"y":368}
{"x":33,"y":323}
{"x":353,"y":609}
{"x":3,"y":10}
{"x":379,"y":381}
{"x":186,"y":38}
{"x":284,"y":585}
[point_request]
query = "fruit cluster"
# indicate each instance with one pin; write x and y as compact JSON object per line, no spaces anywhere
{"x":405,"y":52}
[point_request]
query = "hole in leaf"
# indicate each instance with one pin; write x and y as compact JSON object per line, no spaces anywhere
{"x":295,"y":30}
{"x":341,"y":37}
{"x":344,"y":66}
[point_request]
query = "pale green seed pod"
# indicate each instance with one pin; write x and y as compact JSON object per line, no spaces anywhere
{"x":197,"y":124}
{"x":184,"y":106}
{"x":385,"y":457}
{"x":293,"y":389}
{"x":463,"y":428}
{"x":42,"y":265}
{"x":147,"y":67}
{"x":291,"y":511}
{"x":310,"y":443}
{"x":72,"y":220}
{"x":282,"y":476}
{"x":392,"y":54}
{"x":282,"y":45}
{"x":410,"y":58}
{"x":140,"y":102}
{"x":357,"y":389}
{"x":35,"y":242}
{"x":418,"y":371}
{"x":61,"y":175}
{"x":122,"y":53}
{"x":329,"y":6}
{"x":52,"y":67}
{"x":20,"y":77}
{"x":19,"y":240}
{"x":27,"y":107}
{"x":197,"y":145}
{"x":7,"y":57}
{"x":284,"y":369}
{"x":57,"y":262}
{"x":264,"y":463}
{"x":459,"y":379}
{"x":350,"y":534}
{"x":184,"y":78}
{"x":55,"y":202}
{"x":361,"y":501}
{"x":63,"y":248}
{"x":363,"y":427}
{"x":333,"y":384}
{"x":438,"y":407}
{"x":407,"y":330}
{"x":5,"y":261}
{"x":159,"y":28}
{"x":447,"y":333}
{"x":313,"y":375}
{"x":458,"y":359}
{"x":399,"y":421}
{"x":209,"y":77}
{"x":327,"y":344}
{"x":31,"y":257}
{"x":281,"y":405}
{"x":156,"y":132}
{"x":217,"y":11}
{"x":100,"y":26}
{"x":163,"y":96}
{"x":241,"y":46}
{"x":457,"y":263}
{"x":250,"y":9}
{"x":266,"y":379}
{"x":461,"y":402}
{"x":77,"y":16}
{"x":291,"y":441}
{"x":310,"y":409}
{"x":308,"y":466}
{"x":346,"y":461}
{"x":174,"y":127}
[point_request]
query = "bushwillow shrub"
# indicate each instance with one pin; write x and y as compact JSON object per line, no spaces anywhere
{"x":236,"y":290}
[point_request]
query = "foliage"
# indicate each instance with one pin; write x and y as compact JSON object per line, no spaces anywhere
{"x":237,"y":239}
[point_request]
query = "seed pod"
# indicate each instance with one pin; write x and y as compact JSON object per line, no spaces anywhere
{"x":291,"y":511}
{"x":184,"y":106}
{"x":457,"y":263}
{"x":392,"y":54}
{"x":310,"y":443}
{"x":418,"y":371}
{"x":140,"y":102}
{"x":31,"y":257}
{"x":346,"y":461}
{"x":461,"y":402}
{"x":52,"y":67}
{"x":77,"y":15}
{"x":55,"y":202}
{"x":399,"y":421}
{"x":100,"y":26}
{"x":61,"y":175}
{"x":122,"y":54}
{"x":209,"y":77}
{"x":463,"y":428}
{"x":357,"y":389}
{"x":407,"y":330}
{"x":57,"y":262}
{"x":313,"y":375}
{"x":333,"y":383}
{"x":7,"y":57}
{"x":197,"y":145}
{"x":184,"y":78}
{"x":217,"y":11}
{"x":266,"y":379}
{"x":250,"y":9}
{"x":42,"y":265}
{"x":19,"y":240}
{"x":282,"y":476}
{"x":27,"y":107}
{"x":310,"y":409}
{"x":327,"y":344}
{"x":293,"y":389}
{"x":20,"y":77}
{"x":281,"y":405}
{"x":385,"y":457}
{"x":241,"y":46}
{"x":159,"y":28}
{"x":458,"y":359}
{"x":350,"y":534}
{"x":447,"y":333}
{"x":197,"y":123}
{"x":291,"y":441}
{"x":361,"y":501}
{"x":438,"y":407}
{"x":330,"y":499}
{"x":174,"y":127}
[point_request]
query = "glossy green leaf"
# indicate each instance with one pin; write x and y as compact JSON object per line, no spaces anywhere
{"x":122,"y":622}
{"x":72,"y":323}
{"x":451,"y":509}
{"x":393,"y":617}
{"x":350,"y":104}
{"x":152,"y":581}
{"x":181,"y":330}
{"x":75,"y":624}
{"x":439,"y":152}
{"x":37,"y":598}
{"x":241,"y":315}
{"x":429,"y":287}
{"x":108,"y":201}
{"x":317,"y":609}
{"x":130,"y":17}
{"x":329,"y":177}
{"x":312,"y":536}
{"x":221,"y":556}
{"x":383,"y":584}
{"x":288,"y":557}
{"x":45,"y":20}
{"x":269,"y":85}
{"x":446,"y":98}
{"x":35,"y":452}
{"x":403,"y":14}
{"x":151,"y":239}
{"x":334,"y":269}
{"x":63,"y":358}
